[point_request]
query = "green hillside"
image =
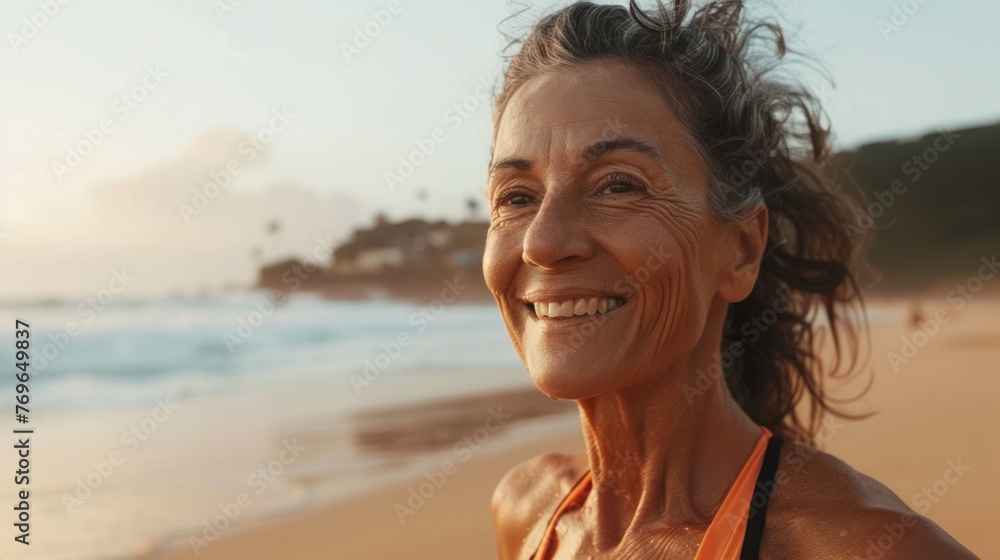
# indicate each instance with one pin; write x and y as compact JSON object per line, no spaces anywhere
{"x":933,"y":205}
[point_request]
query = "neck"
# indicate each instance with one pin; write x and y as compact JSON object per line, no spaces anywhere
{"x":663,"y":457}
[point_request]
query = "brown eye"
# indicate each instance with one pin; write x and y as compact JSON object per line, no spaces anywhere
{"x":620,"y":183}
{"x":616,"y":188}
{"x":513,"y":198}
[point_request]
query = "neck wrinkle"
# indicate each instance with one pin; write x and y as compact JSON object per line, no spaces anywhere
{"x":659,"y":461}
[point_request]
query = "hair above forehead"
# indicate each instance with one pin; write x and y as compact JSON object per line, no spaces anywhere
{"x":762,"y":138}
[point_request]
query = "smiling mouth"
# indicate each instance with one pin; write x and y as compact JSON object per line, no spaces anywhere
{"x":575,"y":307}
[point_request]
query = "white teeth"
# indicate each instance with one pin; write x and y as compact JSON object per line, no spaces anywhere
{"x":572,"y":308}
{"x":566,"y":309}
{"x":554,"y":310}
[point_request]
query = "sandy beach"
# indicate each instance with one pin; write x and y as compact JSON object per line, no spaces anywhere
{"x":452,"y":519}
{"x":932,"y":394}
{"x":453,"y":523}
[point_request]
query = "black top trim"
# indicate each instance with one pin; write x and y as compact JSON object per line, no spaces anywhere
{"x":758,"y":504}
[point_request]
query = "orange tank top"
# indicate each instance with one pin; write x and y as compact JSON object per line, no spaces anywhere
{"x":727,"y":537}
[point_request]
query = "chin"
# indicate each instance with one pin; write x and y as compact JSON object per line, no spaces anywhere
{"x":571,"y":379}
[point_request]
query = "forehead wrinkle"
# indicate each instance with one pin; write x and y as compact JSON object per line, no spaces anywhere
{"x":519,"y":115}
{"x":527,"y":111}
{"x":640,"y":128}
{"x":557,"y":126}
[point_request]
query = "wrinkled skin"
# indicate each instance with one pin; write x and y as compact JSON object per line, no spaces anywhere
{"x":596,"y":191}
{"x":627,"y":223}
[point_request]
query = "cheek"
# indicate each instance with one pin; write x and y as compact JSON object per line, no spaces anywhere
{"x":500,"y":260}
{"x":659,"y":249}
{"x":666,"y":263}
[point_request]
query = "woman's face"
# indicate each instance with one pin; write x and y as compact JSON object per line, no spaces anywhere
{"x":598,"y":201}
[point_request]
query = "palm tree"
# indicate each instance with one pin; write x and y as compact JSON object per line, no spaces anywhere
{"x":272,"y":229}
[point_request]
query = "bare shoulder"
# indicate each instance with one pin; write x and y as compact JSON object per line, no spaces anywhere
{"x":823,"y":508}
{"x":528,"y":494}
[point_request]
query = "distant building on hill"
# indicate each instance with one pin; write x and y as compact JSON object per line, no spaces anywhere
{"x":410,"y":244}
{"x":410,"y":259}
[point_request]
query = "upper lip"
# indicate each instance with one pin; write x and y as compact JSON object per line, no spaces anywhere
{"x":534,"y":296}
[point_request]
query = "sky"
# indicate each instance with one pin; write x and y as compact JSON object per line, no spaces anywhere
{"x":117,"y":115}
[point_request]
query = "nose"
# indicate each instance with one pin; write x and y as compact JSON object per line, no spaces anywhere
{"x":558,"y":234}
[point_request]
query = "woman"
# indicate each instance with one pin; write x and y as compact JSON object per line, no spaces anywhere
{"x":660,"y":240}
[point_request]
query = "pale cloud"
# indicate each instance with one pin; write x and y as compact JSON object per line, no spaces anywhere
{"x":78,"y":237}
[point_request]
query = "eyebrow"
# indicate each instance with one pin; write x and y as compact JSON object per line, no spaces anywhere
{"x":601,"y":147}
{"x":590,"y":153}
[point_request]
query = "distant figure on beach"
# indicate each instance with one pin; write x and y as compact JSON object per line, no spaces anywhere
{"x":916,"y":314}
{"x":660,"y":234}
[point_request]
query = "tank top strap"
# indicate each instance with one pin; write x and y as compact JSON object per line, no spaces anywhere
{"x":757,"y":514}
{"x":575,"y":497}
{"x":723,"y":539}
